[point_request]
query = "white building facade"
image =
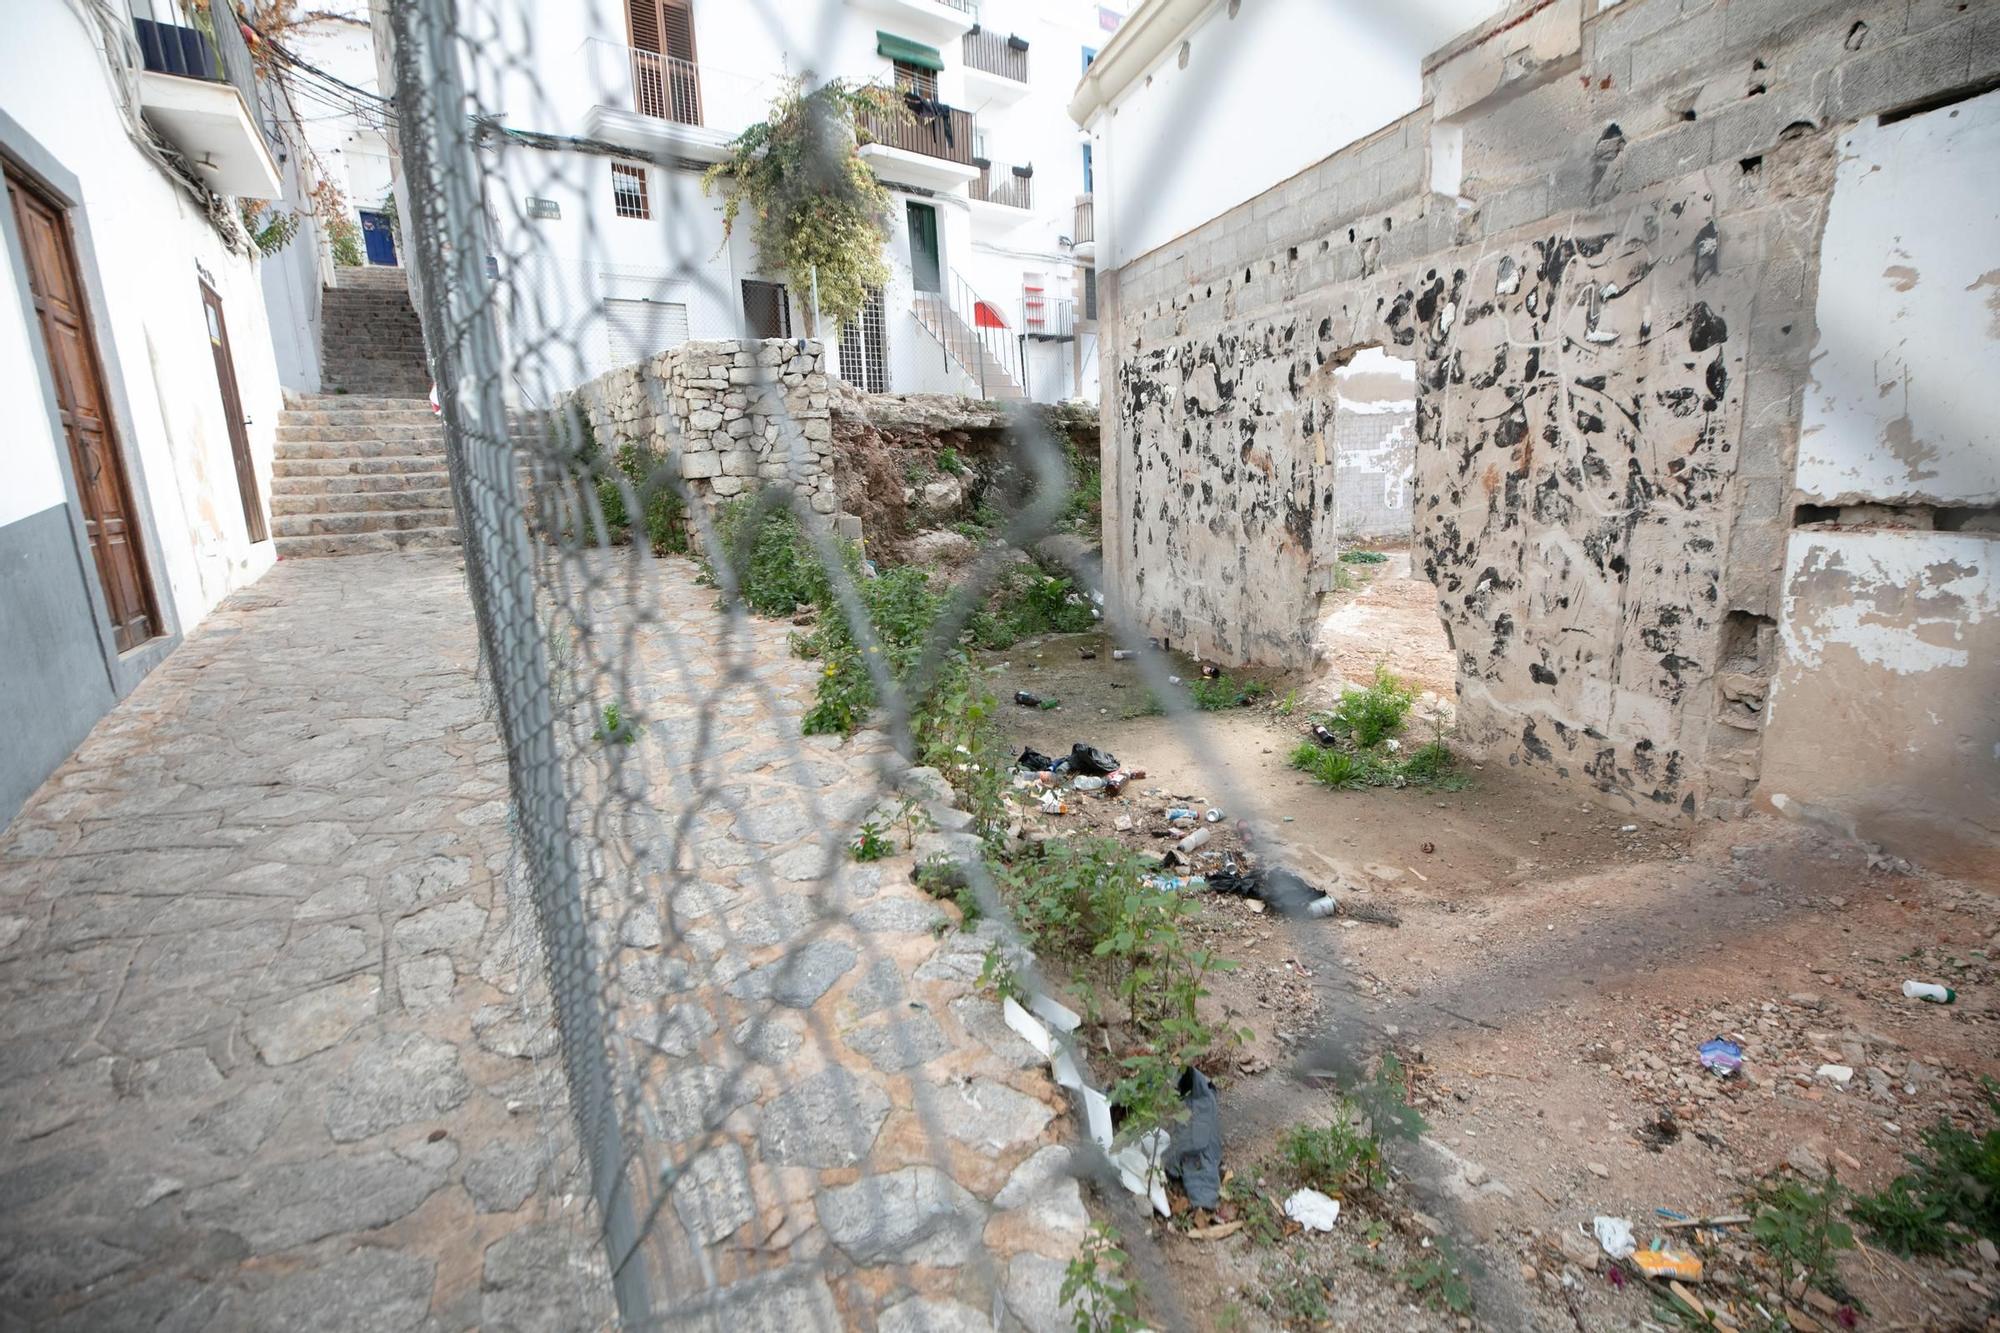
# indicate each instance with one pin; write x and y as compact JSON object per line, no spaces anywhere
{"x":609,"y":258}
{"x":136,"y":356}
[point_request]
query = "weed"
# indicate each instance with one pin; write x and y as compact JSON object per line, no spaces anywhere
{"x":1334,"y":767}
{"x":1212,"y":696}
{"x":871,"y":845}
{"x":1364,"y":557}
{"x":1330,"y":1158}
{"x":1147,"y":705}
{"x":1370,"y":716}
{"x":916,"y":472}
{"x":1028,"y":601}
{"x":1095,"y":1290}
{"x":902,"y":606}
{"x":949,"y":461}
{"x":1262,"y":1222}
{"x":777,"y":569}
{"x":614,"y":728}
{"x":1439,"y":1278}
{"x":1954,"y":1183}
{"x":1288,"y":703}
{"x":1430,"y":765}
{"x":1295,"y":1294}
{"x":1799,"y":1226}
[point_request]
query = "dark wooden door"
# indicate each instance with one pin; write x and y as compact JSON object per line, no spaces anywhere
{"x":926,"y":273}
{"x":106,"y":494}
{"x":232,"y":412}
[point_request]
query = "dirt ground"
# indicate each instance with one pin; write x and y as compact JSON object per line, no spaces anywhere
{"x":1556,"y":967}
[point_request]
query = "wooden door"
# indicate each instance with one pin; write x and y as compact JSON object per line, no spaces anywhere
{"x":102,"y":486}
{"x":926,"y":272}
{"x":232,"y":413}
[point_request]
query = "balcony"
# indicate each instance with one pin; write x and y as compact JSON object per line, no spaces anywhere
{"x":662,"y":105}
{"x":1083,"y":230}
{"x":939,"y":20}
{"x":996,"y":67}
{"x":931,"y":146}
{"x":200,"y":92}
{"x":1046,"y":318}
{"x":1007,"y":191}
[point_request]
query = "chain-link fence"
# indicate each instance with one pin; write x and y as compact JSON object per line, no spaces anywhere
{"x":771,"y":840}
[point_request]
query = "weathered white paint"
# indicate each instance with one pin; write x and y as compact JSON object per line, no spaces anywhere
{"x":1904,"y":404}
{"x":1908,"y":602}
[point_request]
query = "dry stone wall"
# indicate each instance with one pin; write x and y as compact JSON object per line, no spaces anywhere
{"x":1612,"y":323}
{"x":734,"y":413}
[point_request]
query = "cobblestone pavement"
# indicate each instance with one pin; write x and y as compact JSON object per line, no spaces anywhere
{"x":270,"y":1058}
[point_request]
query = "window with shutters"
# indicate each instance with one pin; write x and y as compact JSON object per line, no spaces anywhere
{"x":628,"y":191}
{"x":665,"y":80}
{"x":916,"y":79}
{"x":1090,"y":293}
{"x":766,"y":312}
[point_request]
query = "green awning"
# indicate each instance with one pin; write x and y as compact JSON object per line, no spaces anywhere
{"x":907,"y":51}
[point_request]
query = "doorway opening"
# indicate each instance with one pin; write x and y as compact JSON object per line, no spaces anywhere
{"x":926,"y":262}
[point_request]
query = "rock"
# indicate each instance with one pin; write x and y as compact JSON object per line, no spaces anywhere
{"x":899,"y":1042}
{"x":690,"y":1100}
{"x":501,"y":1175}
{"x":943,"y":496}
{"x":799,"y":978}
{"x":1805,"y":1000}
{"x":940,"y":547}
{"x":1034,"y":1294}
{"x":828,"y":1120}
{"x":425,"y":982}
{"x":314,"y":1021}
{"x":992,"y":1115}
{"x":1838,"y":1075}
{"x":791,"y":1300}
{"x":1988,"y":1252}
{"x":1805,"y":1159}
{"x":1579,"y":1249}
{"x":371,"y":1289}
{"x":917,"y":1315}
{"x":1046,"y":1189}
{"x":713,"y":1195}
{"x":292,"y":1203}
{"x":901,"y":916}
{"x":395,"y":1079}
{"x":917,"y":1215}
{"x":676,"y":1032}
{"x":1598,"y":1169}
{"x":530,"y":1279}
{"x":447,"y":927}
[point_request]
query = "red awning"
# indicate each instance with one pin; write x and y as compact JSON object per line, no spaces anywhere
{"x":986,"y":316}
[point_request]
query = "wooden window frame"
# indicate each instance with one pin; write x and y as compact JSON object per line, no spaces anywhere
{"x":627,"y":171}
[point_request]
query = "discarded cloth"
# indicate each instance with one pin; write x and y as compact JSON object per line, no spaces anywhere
{"x":1288,"y":892}
{"x":1194,"y":1154}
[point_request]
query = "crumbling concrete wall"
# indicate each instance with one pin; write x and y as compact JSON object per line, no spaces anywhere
{"x":1374,"y":453}
{"x":1885,"y":714}
{"x":1604,"y":266}
{"x":734,"y":413}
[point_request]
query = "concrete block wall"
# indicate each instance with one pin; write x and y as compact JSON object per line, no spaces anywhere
{"x":1613,"y":322}
{"x":733,"y":413}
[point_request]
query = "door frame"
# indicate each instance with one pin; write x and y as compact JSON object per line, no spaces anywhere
{"x":910,"y":207}
{"x":255,"y":525}
{"x":27,"y":158}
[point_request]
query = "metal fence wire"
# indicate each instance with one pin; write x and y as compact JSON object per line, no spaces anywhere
{"x":795,"y":1104}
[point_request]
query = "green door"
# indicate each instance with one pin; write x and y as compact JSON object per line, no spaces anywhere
{"x":924,"y":268}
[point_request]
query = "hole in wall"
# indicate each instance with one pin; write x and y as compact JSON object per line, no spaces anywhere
{"x":1743,"y":639}
{"x":1940,"y":100}
{"x":1756,"y":90}
{"x":1758,"y":63}
{"x":1856,"y":35}
{"x":1688,"y":114}
{"x":1750,"y":164}
{"x":1293,"y":254}
{"x":1804,"y":516}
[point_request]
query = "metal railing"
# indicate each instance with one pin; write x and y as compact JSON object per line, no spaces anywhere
{"x":1085,"y":226}
{"x":666,"y":87}
{"x":974,"y":336}
{"x":190,"y":53}
{"x":962,"y":6}
{"x":1048,"y":318}
{"x":994,"y":54}
{"x":999,"y":183}
{"x":931,"y":128}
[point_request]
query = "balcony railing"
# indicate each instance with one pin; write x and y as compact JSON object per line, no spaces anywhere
{"x":930,"y":128}
{"x":1051,"y":318}
{"x":667,"y":87}
{"x":962,"y":6}
{"x":989,"y":51}
{"x":1085,"y":227}
{"x":190,"y":53}
{"x":1002,"y":184}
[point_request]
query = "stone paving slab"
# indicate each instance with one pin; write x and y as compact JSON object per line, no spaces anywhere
{"x":249,"y":931}
{"x":270,"y":1056}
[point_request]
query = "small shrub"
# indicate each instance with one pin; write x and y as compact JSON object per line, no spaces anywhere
{"x":949,"y":461}
{"x":1212,"y":696}
{"x":1330,"y":1158}
{"x":777,"y":569}
{"x":345,"y":238}
{"x":1954,"y":1183}
{"x":1334,"y":767}
{"x":1095,"y":1289}
{"x":1364,"y":557}
{"x":1438,"y":1276}
{"x":614,"y":728}
{"x":1028,"y":601}
{"x":1799,"y":1226}
{"x":1369,"y":717}
{"x":871,"y":845}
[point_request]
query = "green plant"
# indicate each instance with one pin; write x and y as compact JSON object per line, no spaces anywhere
{"x":1222,"y":692}
{"x":1333,"y":1157}
{"x":1262,"y":1222}
{"x":902,"y":607}
{"x":1095,"y":1290}
{"x":1288,"y":703}
{"x":1334,"y":767}
{"x":1027,"y":601}
{"x":815,"y":206}
{"x":949,"y":461}
{"x":1296,"y":1294}
{"x":1372,"y":715}
{"x":777,"y":570}
{"x":614,"y":728}
{"x":1438,"y":1276}
{"x":1430,"y":765}
{"x":1799,"y":1226}
{"x":344,"y":238}
{"x":871,"y":845}
{"x":1953,"y":1188}
{"x":269,"y":230}
{"x":1356,"y":557}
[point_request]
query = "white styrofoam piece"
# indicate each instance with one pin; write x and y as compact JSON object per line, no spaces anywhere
{"x":1057,"y":1016}
{"x":1029,"y":1028}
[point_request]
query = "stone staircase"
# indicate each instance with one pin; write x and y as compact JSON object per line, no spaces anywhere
{"x":359,"y":474}
{"x":360,"y":468}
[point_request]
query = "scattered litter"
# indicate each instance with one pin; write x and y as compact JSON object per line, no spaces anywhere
{"x":1322,"y":735}
{"x":1724,"y":1057}
{"x":1194,"y":1153}
{"x":1929,"y":990}
{"x":1115,"y":780}
{"x":1667,"y":1263}
{"x":1282,"y":889}
{"x":1123,"y":823}
{"x":1198,"y":838}
{"x":1323,"y":906}
{"x":1122,"y":654}
{"x":1087,"y":654}
{"x":1312,"y":1210}
{"x":1173,"y":680}
{"x":1628,"y":828}
{"x":1035,"y":761}
{"x":1178,"y":883}
{"x":1053,"y":803}
{"x":1027,"y":699}
{"x":1839,"y":1075}
{"x":1089,"y":759}
{"x":1089,"y":783}
{"x":1210,"y":671}
{"x":1178,"y":812}
{"x":1213,"y":816}
{"x":1614,"y":1234}
{"x":1215,"y":1231}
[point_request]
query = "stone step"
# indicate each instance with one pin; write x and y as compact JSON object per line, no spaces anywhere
{"x":416,"y":414}
{"x":377,"y":426}
{"x":355,"y":402}
{"x":353,"y":521}
{"x":356,"y":465}
{"x":430,"y":446}
{"x":365,"y":543}
{"x":434,"y":499}
{"x":410,"y":384}
{"x":288,"y":483}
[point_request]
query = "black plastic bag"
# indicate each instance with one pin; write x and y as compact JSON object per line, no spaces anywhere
{"x":1089,"y":759}
{"x":1035,"y":761}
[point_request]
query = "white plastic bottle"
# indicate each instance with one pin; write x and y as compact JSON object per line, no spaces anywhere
{"x":1929,"y":990}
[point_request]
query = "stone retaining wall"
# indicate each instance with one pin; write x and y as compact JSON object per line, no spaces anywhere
{"x":736,"y":412}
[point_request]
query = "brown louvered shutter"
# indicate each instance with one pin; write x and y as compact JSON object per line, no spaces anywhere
{"x":643,"y":16}
{"x":677,"y":29}
{"x":677,"y":44}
